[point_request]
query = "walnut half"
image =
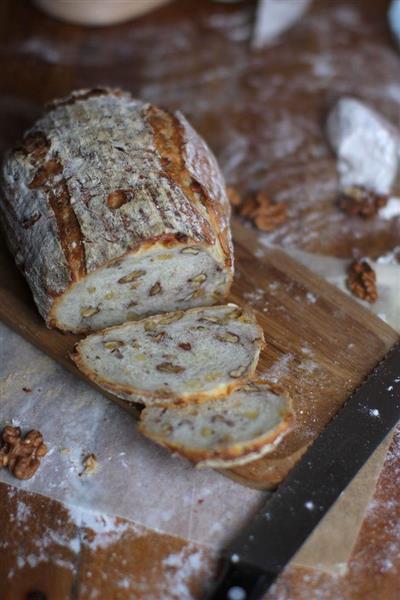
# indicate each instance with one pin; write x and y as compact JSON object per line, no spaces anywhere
{"x":361,"y":281}
{"x":21,"y":455}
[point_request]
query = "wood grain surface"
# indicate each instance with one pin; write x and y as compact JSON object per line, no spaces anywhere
{"x":262,"y":113}
{"x":60,"y":559}
{"x":339,"y":339}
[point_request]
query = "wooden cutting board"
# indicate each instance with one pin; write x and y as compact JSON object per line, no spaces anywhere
{"x":320,"y":344}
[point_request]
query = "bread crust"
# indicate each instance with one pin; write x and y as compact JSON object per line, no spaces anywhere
{"x":56,"y":187}
{"x":124,"y":391}
{"x":237,"y":454}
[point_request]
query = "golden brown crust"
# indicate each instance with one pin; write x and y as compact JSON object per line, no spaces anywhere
{"x":169,"y":141}
{"x":241,"y":450}
{"x":70,"y":205}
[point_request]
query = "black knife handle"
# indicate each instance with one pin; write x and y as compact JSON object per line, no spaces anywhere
{"x":240,"y":581}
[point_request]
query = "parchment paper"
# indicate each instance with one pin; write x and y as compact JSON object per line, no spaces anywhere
{"x":135,"y":478}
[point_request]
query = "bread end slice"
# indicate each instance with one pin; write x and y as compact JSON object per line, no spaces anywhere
{"x":222,"y":433}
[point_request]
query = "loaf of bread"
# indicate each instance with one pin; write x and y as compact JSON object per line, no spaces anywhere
{"x":177,"y":357}
{"x":222,"y":433}
{"x":115,"y":209}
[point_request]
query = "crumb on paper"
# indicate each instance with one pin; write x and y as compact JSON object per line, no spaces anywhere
{"x":89,"y":465}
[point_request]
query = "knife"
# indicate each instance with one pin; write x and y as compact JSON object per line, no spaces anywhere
{"x":258,"y":555}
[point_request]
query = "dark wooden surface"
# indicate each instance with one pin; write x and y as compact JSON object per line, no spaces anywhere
{"x":262,"y":113}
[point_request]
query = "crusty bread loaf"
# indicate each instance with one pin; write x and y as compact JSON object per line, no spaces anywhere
{"x":222,"y":433}
{"x":115,"y":209}
{"x":182,"y":356}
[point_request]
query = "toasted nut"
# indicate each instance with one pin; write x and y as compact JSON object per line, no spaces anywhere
{"x":206,"y":432}
{"x":198,"y":280}
{"x":233,"y":196}
{"x":163,"y":257}
{"x":211,"y":320}
{"x":190,"y":250}
{"x":91,"y":290}
{"x":155,"y":289}
{"x":168,"y":367}
{"x":21,"y":455}
{"x":196,"y":294}
{"x":251,"y":414}
{"x":250,"y":387}
{"x":112,"y":345}
{"x":185,"y":346}
{"x":234,"y":314}
{"x":239,"y":372}
{"x":157,"y":337}
{"x":131,"y":276}
{"x":232,"y":338}
{"x":171,"y":318}
{"x":89,"y":311}
{"x":150,"y":325}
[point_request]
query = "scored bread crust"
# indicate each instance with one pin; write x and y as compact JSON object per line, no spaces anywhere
{"x":236,"y":454}
{"x":138,"y":395}
{"x":102,"y":176}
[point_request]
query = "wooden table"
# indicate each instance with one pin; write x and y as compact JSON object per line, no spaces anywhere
{"x":194,"y":56}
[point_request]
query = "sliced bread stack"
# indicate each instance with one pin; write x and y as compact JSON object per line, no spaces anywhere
{"x":193,"y":370}
{"x":116,"y":211}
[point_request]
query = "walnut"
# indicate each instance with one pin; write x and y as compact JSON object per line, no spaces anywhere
{"x":118,"y":198}
{"x":239,"y":372}
{"x":155,"y":289}
{"x":362,"y":202}
{"x":233,"y":196}
{"x":168,"y":367}
{"x":131,"y":276}
{"x":21,"y":455}
{"x":185,"y":346}
{"x":190,"y":250}
{"x":198,"y":279}
{"x":265,"y":214}
{"x":89,"y":311}
{"x":361,"y":281}
{"x":232,"y":338}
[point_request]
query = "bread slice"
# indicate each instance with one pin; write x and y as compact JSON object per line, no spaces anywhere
{"x":181,"y":356}
{"x":222,"y":433}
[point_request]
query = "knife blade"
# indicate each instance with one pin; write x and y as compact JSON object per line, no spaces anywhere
{"x":262,"y":550}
